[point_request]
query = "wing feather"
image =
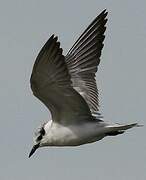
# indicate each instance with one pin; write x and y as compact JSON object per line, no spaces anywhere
{"x":83,"y":59}
{"x":51,"y":83}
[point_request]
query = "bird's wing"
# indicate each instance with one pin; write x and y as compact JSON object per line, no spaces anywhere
{"x":51,"y":83}
{"x":83,"y":59}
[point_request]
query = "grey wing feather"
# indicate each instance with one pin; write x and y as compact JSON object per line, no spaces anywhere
{"x":51,"y":83}
{"x":84,"y":57}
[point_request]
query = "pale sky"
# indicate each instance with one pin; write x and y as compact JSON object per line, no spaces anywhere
{"x":24,"y":28}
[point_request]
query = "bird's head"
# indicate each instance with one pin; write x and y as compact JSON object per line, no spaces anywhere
{"x":39,"y":138}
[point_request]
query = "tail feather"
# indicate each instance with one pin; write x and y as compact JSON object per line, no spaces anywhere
{"x":127,"y":126}
{"x":120,"y":129}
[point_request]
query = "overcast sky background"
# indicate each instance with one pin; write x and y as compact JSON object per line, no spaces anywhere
{"x":24,"y":28}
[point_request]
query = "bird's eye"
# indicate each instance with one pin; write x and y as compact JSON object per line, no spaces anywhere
{"x":42,"y":131}
{"x":39,"y":138}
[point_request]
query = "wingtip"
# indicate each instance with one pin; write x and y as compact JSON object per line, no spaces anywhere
{"x":104,"y":12}
{"x":54,"y":37}
{"x":103,"y":15}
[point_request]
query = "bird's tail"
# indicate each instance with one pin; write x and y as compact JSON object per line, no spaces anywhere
{"x":119,"y":128}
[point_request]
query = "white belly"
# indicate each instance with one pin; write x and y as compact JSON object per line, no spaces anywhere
{"x":75,"y":135}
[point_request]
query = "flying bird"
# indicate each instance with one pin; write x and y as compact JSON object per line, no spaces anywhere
{"x":67,"y":86}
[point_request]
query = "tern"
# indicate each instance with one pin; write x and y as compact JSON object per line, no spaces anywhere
{"x":67,"y":86}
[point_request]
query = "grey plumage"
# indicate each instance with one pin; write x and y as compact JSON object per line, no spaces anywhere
{"x":83,"y":60}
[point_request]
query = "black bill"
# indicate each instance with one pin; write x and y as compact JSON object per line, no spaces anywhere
{"x":35,"y":147}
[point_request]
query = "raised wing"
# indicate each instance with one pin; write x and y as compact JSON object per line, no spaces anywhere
{"x":50,"y":82}
{"x":84,"y":57}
